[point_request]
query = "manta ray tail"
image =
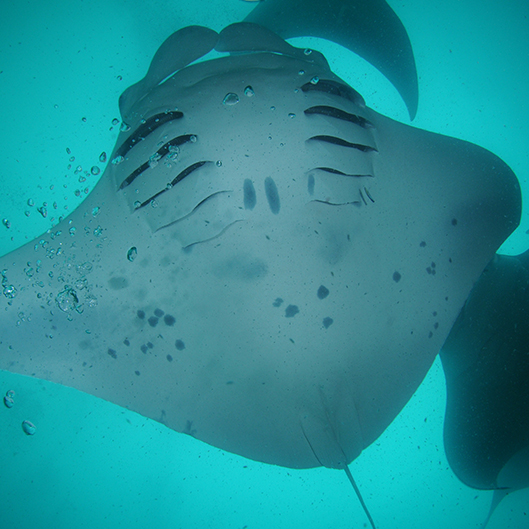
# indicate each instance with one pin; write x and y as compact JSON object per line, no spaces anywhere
{"x":369,"y":28}
{"x":486,"y":362}
{"x":360,"y":499}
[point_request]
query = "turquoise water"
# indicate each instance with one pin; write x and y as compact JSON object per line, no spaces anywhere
{"x":92,"y":464}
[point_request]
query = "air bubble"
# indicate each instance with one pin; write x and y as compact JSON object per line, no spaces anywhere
{"x":124,"y":127}
{"x":115,"y":121}
{"x":6,"y":223}
{"x":315,"y":80}
{"x":31,"y":202}
{"x":8,"y":402}
{"x":67,"y":299}
{"x":117,"y":160}
{"x":230,"y":99}
{"x":10,"y":393}
{"x":307,"y":51}
{"x":292,"y":115}
{"x":95,"y":170}
{"x":29,"y":428}
{"x":137,"y":204}
{"x":218,"y":163}
{"x":154,"y":159}
{"x":103,"y":157}
{"x":132,"y":253}
{"x":301,"y":72}
{"x":83,"y":120}
{"x":95,"y":211}
{"x":193,"y":138}
{"x":98,"y":231}
{"x":248,"y":91}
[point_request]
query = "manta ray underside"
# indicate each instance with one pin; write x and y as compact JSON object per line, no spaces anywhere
{"x":267,"y":264}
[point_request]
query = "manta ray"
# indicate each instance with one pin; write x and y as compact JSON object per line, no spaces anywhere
{"x":270,"y":266}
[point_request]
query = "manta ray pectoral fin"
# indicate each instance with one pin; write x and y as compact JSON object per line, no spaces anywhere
{"x":370,"y":29}
{"x":486,"y":363}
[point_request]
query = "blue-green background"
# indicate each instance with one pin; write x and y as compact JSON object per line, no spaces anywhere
{"x":63,"y":65}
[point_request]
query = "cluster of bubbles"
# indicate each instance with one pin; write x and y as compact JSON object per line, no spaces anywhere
{"x":9,"y":401}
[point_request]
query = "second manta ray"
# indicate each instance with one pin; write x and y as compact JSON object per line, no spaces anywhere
{"x":267,"y":264}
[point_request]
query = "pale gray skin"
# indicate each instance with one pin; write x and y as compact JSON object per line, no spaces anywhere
{"x":246,"y":375}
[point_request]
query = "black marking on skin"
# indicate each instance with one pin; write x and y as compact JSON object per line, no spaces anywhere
{"x":169,"y":320}
{"x":291,"y":311}
{"x":145,"y":129}
{"x":278,"y":302}
{"x":436,"y":325}
{"x":343,"y":143}
{"x":186,"y":172}
{"x":150,"y":345}
{"x":362,"y":196}
{"x":396,"y":277}
{"x":126,"y":341}
{"x":140,"y":314}
{"x":188,"y":429}
{"x":327,"y":322}
{"x":335,"y":88}
{"x":191,"y":213}
{"x":250,"y":198}
{"x":335,"y":171}
{"x":272,"y":195}
{"x":162,"y":151}
{"x":422,"y":244}
{"x":369,"y":195}
{"x":323,"y":292}
{"x":169,"y":358}
{"x":118,"y":283}
{"x":339,"y":114}
{"x":137,"y":373}
{"x":310,"y":184}
{"x":354,"y":203}
{"x":153,"y":321}
{"x":430,"y":334}
{"x":454,"y":222}
{"x":158,"y":313}
{"x":180,"y":345}
{"x":112,"y":353}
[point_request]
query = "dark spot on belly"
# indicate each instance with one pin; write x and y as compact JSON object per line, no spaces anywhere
{"x":169,"y":358}
{"x":272,"y":195}
{"x":396,"y":277}
{"x":158,"y":313}
{"x":153,"y":321}
{"x":278,"y":302}
{"x":169,"y":320}
{"x":137,"y":373}
{"x":118,"y":283}
{"x":249,"y":194}
{"x":291,"y":311}
{"x":144,"y":349}
{"x":180,"y":345}
{"x":141,"y":314}
{"x":323,"y":292}
{"x":112,"y":353}
{"x":327,"y":322}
